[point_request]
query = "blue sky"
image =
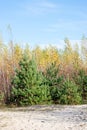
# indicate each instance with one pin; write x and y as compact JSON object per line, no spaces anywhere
{"x":41,"y":22}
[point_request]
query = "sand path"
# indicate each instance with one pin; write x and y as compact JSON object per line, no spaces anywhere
{"x":55,"y":117}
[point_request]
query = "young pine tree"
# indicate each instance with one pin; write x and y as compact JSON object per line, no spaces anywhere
{"x":54,"y":81}
{"x":26,"y":84}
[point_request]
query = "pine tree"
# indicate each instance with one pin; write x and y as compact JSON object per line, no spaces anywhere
{"x":54,"y":81}
{"x":26,"y":79}
{"x":26,"y":85}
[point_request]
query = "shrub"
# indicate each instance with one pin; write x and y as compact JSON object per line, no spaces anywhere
{"x":54,"y":81}
{"x":81,"y":80}
{"x":35,"y":95}
{"x":1,"y":98}
{"x":69,"y":93}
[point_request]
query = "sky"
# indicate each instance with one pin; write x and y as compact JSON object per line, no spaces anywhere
{"x":42,"y":22}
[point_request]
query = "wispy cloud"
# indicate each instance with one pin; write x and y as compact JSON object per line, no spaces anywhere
{"x":38,"y":7}
{"x":75,"y":25}
{"x":46,"y":4}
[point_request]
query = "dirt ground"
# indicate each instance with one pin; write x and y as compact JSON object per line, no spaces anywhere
{"x":54,"y":117}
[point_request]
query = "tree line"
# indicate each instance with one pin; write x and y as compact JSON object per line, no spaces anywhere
{"x":43,"y":76}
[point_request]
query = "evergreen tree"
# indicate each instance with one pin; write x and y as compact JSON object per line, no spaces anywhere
{"x":69,"y":93}
{"x":81,"y":80}
{"x":26,"y":85}
{"x":54,"y":81}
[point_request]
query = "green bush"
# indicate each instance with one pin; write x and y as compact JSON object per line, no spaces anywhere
{"x":1,"y":97}
{"x":81,"y":80}
{"x":54,"y":81}
{"x":35,"y":95}
{"x":69,"y":93}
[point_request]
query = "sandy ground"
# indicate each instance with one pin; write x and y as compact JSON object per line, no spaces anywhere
{"x":44,"y":118}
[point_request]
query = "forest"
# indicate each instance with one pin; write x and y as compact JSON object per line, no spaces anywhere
{"x":43,"y":76}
